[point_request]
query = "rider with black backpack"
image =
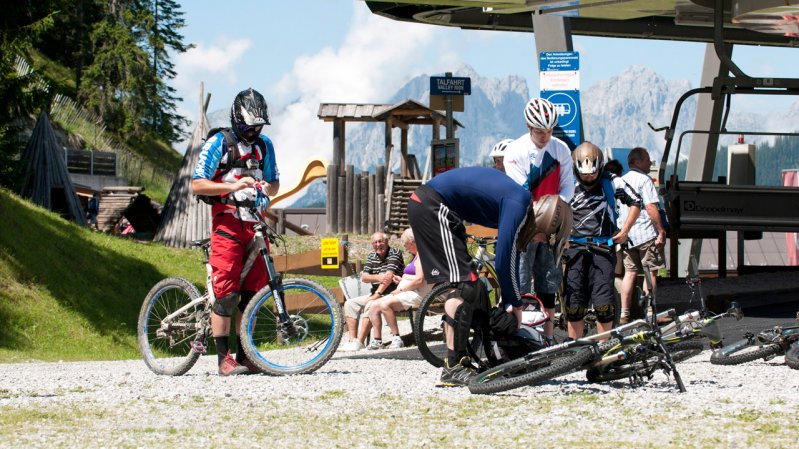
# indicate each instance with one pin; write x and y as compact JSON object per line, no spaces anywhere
{"x":233,"y":162}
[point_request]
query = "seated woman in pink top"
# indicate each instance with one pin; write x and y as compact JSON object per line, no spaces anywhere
{"x":411,"y":288}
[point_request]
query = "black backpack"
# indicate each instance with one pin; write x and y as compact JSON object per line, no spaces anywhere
{"x":234,"y":159}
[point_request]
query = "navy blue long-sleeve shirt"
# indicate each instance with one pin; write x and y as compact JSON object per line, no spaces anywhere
{"x":488,"y":197}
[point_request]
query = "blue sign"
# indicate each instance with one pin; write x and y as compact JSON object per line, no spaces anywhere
{"x":452,"y":85}
{"x":559,"y":79}
{"x":559,"y":61}
{"x":567,"y":103}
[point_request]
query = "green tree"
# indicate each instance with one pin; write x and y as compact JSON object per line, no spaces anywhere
{"x":126,"y":81}
{"x":165,"y":19}
{"x":19,"y":30}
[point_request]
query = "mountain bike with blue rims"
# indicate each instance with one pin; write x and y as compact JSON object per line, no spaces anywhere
{"x":291,"y":326}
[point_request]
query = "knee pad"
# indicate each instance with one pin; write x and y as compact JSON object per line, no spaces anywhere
{"x":547,"y":299}
{"x":461,"y":327}
{"x":575,"y":313}
{"x":246,"y":296}
{"x":226,"y":305}
{"x":604,"y":313}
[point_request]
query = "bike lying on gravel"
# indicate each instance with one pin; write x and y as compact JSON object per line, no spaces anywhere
{"x":765,"y":345}
{"x":485,"y":351}
{"x":634,"y":350}
{"x":291,"y":326}
{"x":792,"y":356}
{"x":700,"y":323}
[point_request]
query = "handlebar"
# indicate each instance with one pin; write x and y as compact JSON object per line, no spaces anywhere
{"x":591,"y":246}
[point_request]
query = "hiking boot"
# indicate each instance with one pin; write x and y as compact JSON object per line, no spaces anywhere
{"x":458,"y":375}
{"x":230,"y":367}
{"x":376,"y":344}
{"x":396,"y":343}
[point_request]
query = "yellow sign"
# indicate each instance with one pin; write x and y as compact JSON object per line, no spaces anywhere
{"x":329,"y":254}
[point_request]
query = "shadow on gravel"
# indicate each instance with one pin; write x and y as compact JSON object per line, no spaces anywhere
{"x":408,"y":353}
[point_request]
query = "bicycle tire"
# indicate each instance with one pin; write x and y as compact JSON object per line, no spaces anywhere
{"x":315,"y":332}
{"x":743,"y":351}
{"x":792,"y":356}
{"x":428,"y":327}
{"x":530,"y":370}
{"x":645,"y":365}
{"x":168,"y":351}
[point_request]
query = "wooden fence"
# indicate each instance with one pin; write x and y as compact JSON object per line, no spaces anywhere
{"x":72,"y":116}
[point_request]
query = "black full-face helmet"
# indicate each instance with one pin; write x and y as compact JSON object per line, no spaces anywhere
{"x":249,"y":111}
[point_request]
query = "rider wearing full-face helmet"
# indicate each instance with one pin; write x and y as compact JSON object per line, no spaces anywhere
{"x":589,"y":274}
{"x":543,"y":165}
{"x":233,"y":163}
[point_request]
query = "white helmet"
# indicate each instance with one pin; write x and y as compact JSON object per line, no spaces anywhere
{"x":540,"y":113}
{"x":499,"y":148}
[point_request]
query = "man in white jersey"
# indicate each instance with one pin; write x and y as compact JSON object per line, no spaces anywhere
{"x":647,"y":236}
{"x":543,"y":165}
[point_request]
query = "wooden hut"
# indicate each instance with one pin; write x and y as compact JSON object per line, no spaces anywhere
{"x":46,"y":180}
{"x":183,"y":218}
{"x":364,"y":203}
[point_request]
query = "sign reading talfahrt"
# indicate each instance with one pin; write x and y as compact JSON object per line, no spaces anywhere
{"x":453,"y":85}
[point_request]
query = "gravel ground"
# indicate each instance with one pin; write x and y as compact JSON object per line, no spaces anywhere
{"x":387,"y":399}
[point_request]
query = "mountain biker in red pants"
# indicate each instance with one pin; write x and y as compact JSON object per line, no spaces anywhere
{"x":232,"y":162}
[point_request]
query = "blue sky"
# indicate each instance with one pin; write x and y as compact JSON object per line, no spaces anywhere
{"x":303,"y":52}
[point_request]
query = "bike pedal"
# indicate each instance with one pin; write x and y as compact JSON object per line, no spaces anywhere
{"x":198,"y":347}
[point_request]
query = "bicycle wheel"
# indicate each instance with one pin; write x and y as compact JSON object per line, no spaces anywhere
{"x":530,"y":370}
{"x":643,"y":364}
{"x":684,"y":350}
{"x":166,"y":346}
{"x":792,"y":356}
{"x":303,"y":344}
{"x":428,"y":329}
{"x":743,"y":351}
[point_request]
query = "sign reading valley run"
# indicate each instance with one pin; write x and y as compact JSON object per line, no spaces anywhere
{"x":560,"y":83}
{"x":450,"y":85}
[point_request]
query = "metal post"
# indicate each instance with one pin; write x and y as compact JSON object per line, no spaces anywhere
{"x":448,"y":103}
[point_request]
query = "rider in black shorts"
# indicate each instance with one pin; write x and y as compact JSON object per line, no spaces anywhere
{"x":437,"y":212}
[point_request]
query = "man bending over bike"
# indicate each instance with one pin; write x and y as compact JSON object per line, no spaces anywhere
{"x":591,"y":259}
{"x":437,"y":212}
{"x":231,"y":187}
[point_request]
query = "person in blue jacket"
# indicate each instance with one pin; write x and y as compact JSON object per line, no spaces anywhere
{"x":437,"y":212}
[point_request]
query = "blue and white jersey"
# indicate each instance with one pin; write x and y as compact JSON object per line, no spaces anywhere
{"x":214,"y":152}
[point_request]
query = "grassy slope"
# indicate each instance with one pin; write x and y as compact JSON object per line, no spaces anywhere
{"x":67,"y":293}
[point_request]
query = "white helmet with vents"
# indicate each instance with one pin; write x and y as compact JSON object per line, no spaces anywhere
{"x":540,"y":113}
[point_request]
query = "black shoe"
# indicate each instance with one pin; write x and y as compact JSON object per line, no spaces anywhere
{"x":458,"y":375}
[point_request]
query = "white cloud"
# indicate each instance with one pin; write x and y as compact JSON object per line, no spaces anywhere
{"x":215,"y":62}
{"x":374,"y":61}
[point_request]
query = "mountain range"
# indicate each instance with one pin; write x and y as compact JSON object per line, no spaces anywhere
{"x":615,"y":113}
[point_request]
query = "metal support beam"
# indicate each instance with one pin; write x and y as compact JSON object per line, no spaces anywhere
{"x":702,"y":156}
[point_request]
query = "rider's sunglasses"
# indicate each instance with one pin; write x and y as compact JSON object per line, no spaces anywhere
{"x":250,"y":129}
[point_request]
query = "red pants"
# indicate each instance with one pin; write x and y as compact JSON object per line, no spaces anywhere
{"x":229,"y":240}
